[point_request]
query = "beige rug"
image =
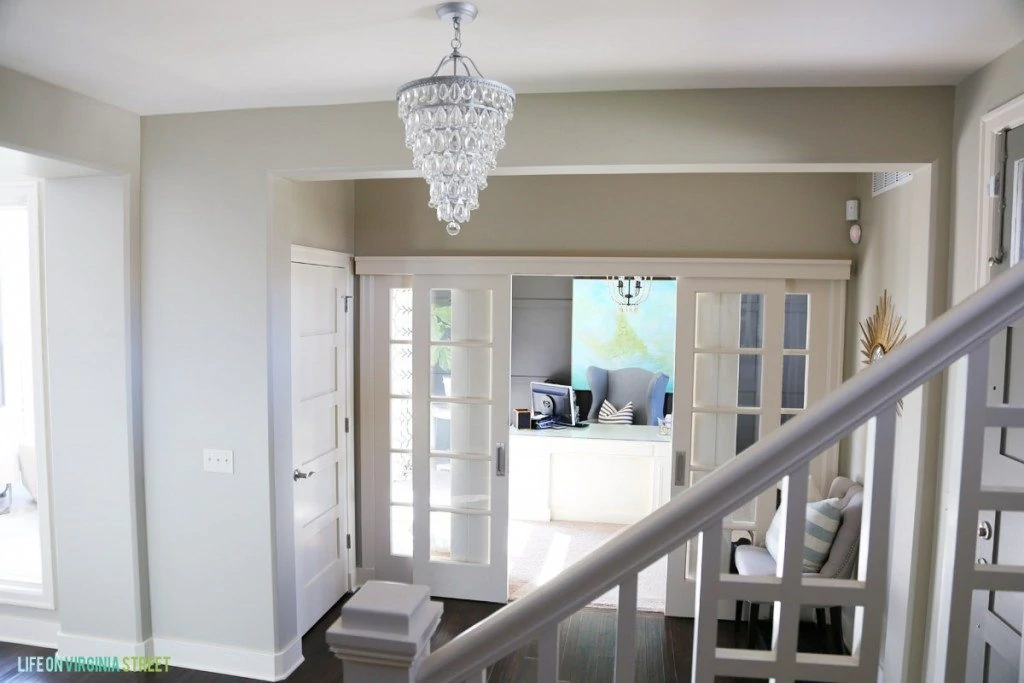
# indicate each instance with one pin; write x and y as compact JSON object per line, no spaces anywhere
{"x":539,"y":551}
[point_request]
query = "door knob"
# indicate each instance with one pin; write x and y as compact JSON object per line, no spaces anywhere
{"x":299,"y":474}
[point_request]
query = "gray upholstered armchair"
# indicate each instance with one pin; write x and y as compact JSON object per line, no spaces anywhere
{"x":842,"y":558}
{"x":644,"y":388}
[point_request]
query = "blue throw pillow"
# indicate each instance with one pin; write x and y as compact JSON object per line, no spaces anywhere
{"x":820,"y":527}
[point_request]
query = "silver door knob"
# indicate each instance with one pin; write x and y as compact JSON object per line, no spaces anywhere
{"x":299,"y":474}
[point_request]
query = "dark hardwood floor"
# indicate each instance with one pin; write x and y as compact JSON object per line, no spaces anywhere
{"x":586,"y":646}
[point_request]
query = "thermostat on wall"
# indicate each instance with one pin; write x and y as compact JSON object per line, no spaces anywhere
{"x":853,"y":210}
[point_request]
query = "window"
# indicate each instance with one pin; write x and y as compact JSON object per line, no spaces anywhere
{"x":400,"y":314}
{"x":20,"y":397}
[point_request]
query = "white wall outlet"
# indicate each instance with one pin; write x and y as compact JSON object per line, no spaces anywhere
{"x":215,"y":460}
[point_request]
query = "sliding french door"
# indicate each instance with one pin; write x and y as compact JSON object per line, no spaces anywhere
{"x":460,"y":408}
{"x":752,"y":354}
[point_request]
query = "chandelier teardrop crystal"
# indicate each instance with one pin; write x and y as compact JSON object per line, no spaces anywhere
{"x":455,"y":125}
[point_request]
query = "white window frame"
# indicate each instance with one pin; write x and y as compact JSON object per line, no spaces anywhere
{"x":15,"y":592}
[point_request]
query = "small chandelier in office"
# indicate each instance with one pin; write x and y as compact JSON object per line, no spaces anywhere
{"x":629,"y":291}
{"x":455,"y":125}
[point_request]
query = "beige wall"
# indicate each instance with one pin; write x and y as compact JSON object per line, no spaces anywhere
{"x":896,"y":255}
{"x":777,"y":215}
{"x":323,"y":214}
{"x":881,"y":265}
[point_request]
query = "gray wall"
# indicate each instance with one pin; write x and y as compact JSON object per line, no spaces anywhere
{"x":541,"y":333}
{"x":91,"y":261}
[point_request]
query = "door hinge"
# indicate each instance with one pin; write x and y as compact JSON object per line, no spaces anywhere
{"x":348,"y":541}
{"x":346,"y":425}
{"x":345,"y":299}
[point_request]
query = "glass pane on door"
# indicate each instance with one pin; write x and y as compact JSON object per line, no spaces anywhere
{"x":400,"y":418}
{"x":461,"y":370}
{"x":726,"y":320}
{"x":460,"y":394}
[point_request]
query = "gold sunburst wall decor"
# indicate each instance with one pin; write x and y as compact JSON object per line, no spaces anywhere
{"x":881,"y":333}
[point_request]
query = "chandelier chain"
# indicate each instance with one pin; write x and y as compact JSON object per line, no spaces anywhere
{"x":457,"y":40}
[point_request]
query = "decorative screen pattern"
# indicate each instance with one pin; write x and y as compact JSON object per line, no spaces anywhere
{"x":400,"y":419}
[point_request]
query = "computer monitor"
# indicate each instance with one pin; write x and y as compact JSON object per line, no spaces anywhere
{"x":554,"y":401}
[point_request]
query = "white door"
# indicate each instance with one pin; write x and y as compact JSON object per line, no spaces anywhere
{"x":460,"y":435}
{"x":729,"y":393}
{"x":320,"y":445}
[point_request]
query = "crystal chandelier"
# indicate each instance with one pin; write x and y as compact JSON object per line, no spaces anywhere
{"x":455,"y":125}
{"x":629,"y":291}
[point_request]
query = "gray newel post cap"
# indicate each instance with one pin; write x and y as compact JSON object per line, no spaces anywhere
{"x":385,"y":620}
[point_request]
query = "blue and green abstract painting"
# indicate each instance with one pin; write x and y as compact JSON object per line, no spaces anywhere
{"x":611,"y":338}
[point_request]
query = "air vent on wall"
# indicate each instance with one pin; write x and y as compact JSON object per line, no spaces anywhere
{"x":886,"y":180}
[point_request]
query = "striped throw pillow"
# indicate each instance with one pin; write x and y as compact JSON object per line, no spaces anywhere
{"x":610,"y":416}
{"x":822,"y":523}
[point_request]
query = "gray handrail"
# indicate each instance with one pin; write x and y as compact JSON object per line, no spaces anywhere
{"x":926,"y":354}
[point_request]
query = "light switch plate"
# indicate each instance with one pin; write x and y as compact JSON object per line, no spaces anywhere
{"x":215,"y":460}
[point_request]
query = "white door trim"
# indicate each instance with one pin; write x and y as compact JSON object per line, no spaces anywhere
{"x":797,"y":269}
{"x":321,"y":257}
{"x":1009,"y":115}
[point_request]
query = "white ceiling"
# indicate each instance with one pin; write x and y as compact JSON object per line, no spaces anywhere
{"x":161,"y":56}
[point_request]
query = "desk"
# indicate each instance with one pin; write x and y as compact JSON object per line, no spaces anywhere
{"x":616,"y":474}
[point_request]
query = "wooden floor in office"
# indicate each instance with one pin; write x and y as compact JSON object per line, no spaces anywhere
{"x":586,"y":640}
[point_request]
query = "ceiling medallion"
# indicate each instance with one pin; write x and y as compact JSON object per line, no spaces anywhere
{"x":881,"y":333}
{"x":455,"y":125}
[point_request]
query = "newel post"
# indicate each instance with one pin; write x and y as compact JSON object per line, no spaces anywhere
{"x":384,"y":632}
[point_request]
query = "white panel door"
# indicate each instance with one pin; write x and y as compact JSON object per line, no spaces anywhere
{"x":320,"y":353}
{"x":729,"y":393}
{"x":460,"y":346}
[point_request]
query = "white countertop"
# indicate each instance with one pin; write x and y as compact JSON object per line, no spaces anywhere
{"x":598,"y":431}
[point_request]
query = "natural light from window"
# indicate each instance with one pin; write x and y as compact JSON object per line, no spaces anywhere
{"x":20,"y":555}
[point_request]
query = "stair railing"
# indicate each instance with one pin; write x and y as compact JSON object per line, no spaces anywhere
{"x":698,"y":511}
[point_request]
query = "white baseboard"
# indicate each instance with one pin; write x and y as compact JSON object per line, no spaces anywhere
{"x":364,"y":574}
{"x":595,"y":515}
{"x":74,"y":645}
{"x":37,"y":632}
{"x":265,"y":666}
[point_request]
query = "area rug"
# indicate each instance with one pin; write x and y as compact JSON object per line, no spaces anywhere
{"x":539,"y":551}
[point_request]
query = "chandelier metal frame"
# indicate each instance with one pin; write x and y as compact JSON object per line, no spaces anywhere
{"x":455,"y":124}
{"x":629,"y":291}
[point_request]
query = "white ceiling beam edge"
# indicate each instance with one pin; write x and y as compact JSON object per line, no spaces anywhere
{"x":602,"y":266}
{"x":320,"y":174}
